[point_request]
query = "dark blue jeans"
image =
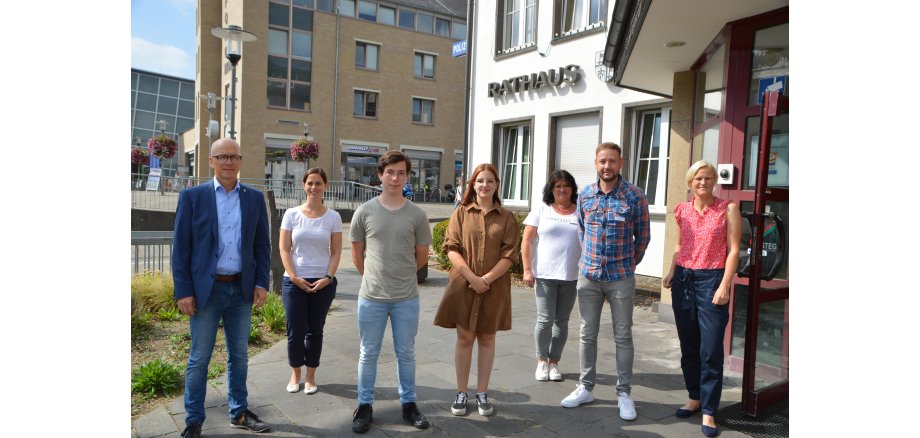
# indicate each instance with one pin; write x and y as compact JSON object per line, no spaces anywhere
{"x":226,"y":304}
{"x":701,"y":329}
{"x":306,"y":317}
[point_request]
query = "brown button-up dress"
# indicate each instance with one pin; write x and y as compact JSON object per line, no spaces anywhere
{"x":482,"y":240}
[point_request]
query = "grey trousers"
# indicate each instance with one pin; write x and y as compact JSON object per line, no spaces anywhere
{"x":621,"y":295}
{"x":555,"y":300}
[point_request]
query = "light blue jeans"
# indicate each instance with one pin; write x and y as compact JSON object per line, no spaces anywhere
{"x":555,"y":300}
{"x":372,"y":322}
{"x":621,"y":295}
{"x":225,"y":303}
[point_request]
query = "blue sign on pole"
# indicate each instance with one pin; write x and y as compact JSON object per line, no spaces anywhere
{"x":776,"y":83}
{"x":459,"y":49}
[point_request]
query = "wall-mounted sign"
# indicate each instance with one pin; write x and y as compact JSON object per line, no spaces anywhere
{"x":458,"y":49}
{"x":776,"y":83}
{"x":367,"y":149}
{"x":570,"y":74}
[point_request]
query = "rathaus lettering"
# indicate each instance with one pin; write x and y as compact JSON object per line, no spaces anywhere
{"x":570,"y":74}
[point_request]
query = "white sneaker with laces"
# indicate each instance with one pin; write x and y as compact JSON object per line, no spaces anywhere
{"x":554,"y":373}
{"x":542,"y":373}
{"x":627,"y":407}
{"x":579,"y":396}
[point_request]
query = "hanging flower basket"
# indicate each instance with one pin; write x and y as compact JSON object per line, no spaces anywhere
{"x":140,"y":156}
{"x":303,"y":150}
{"x":162,"y":146}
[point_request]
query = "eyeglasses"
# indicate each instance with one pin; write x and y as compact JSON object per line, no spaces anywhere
{"x":228,"y":158}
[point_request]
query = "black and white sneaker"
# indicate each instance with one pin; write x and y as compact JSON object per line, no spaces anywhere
{"x":485,"y":407}
{"x":459,"y":406}
{"x":249,"y":421}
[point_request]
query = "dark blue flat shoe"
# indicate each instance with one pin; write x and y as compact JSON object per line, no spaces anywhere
{"x":684,"y":413}
{"x":710,"y":431}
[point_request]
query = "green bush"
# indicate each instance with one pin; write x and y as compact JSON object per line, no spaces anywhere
{"x":156,"y":378}
{"x":153,"y":290}
{"x":517,"y":269}
{"x":169,"y":314}
{"x":255,"y":331}
{"x":140,"y":321}
{"x":437,"y":241}
{"x":272,"y":313}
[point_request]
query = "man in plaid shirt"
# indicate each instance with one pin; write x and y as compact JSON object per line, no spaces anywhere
{"x":613,"y":216}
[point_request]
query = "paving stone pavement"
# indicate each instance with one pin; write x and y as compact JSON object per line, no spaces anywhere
{"x":523,"y":406}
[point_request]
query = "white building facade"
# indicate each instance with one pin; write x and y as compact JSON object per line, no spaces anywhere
{"x":541,"y":100}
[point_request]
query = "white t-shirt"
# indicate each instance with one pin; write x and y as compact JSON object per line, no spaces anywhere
{"x":310,"y":238}
{"x":557,"y":246}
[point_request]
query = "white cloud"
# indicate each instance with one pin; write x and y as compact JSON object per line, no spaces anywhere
{"x":160,"y":58}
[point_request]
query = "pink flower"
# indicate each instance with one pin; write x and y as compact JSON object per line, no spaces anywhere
{"x":139,"y":156}
{"x":303,"y":150}
{"x":162,"y":146}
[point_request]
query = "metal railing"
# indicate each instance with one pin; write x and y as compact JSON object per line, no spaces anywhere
{"x":151,"y":251}
{"x":163,"y":194}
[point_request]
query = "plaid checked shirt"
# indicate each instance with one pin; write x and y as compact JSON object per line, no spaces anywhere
{"x":614,"y":230}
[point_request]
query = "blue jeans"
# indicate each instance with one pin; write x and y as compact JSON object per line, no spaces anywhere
{"x":555,"y":300}
{"x":306,"y":317}
{"x":621,"y":295}
{"x":372,"y":322}
{"x":225,"y":303}
{"x":701,"y":330}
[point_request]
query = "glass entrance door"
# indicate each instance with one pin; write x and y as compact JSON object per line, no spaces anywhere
{"x":757,"y":342}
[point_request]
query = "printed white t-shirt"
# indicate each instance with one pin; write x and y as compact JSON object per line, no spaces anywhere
{"x":557,"y":246}
{"x":310,"y":238}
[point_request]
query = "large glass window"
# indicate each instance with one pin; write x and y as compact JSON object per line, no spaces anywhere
{"x":442,"y":27}
{"x":652,"y":155}
{"x":458,"y":31}
{"x":406,"y":18}
{"x":289,"y":70}
{"x":365,"y":103}
{"x":367,"y":10}
{"x":518,"y":24}
{"x":424,"y":65}
{"x":572,"y":16}
{"x":423,"y":111}
{"x":347,"y":8}
{"x":387,"y":15}
{"x":169,"y":87}
{"x":324,"y":5}
{"x":515,"y":161}
{"x":146,"y":102}
{"x":425,"y":23}
{"x":366,"y":55}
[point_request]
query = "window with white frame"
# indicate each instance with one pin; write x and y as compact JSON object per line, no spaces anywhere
{"x":290,"y":55}
{"x":518,"y":24}
{"x":572,"y":16}
{"x":366,"y":55}
{"x":515,"y":151}
{"x":651,"y":155}
{"x":424,"y":65}
{"x":422,"y":111}
{"x":347,"y":8}
{"x":365,"y":103}
{"x":367,"y":10}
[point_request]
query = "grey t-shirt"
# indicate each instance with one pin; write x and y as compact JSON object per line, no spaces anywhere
{"x":390,"y":238}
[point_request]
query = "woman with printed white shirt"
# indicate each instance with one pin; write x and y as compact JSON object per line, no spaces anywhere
{"x":311,"y":247}
{"x":553,"y":268}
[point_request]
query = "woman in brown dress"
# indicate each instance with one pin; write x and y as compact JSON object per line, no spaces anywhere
{"x":481,"y":243}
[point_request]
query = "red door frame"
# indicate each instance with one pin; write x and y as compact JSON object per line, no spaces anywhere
{"x":738,"y":36}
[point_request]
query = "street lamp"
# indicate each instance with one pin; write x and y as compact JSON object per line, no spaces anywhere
{"x":163,"y":124}
{"x":234,"y":36}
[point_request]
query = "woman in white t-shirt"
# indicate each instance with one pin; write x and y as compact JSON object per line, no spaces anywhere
{"x":553,"y":268}
{"x":311,"y":246}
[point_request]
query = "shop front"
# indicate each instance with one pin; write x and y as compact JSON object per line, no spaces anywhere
{"x":740,"y":50}
{"x":359,"y":161}
{"x":425,"y":176}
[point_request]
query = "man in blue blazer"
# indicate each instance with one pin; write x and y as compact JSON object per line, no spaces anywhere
{"x":220,"y":264}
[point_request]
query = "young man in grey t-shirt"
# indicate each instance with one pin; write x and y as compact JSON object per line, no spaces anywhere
{"x":390,"y":237}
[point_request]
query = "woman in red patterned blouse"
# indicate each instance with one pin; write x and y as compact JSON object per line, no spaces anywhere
{"x":705,"y":261}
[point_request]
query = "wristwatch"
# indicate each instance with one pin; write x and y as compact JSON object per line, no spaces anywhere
{"x":328,"y":276}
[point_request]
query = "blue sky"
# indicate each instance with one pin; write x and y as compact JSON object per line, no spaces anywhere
{"x":163,"y":36}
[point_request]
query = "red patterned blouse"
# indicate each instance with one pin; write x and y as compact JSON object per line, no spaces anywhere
{"x":703,"y":236}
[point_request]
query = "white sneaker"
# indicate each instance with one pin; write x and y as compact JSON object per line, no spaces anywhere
{"x":542,"y":373}
{"x":554,"y":373}
{"x":579,"y":396}
{"x":627,"y":407}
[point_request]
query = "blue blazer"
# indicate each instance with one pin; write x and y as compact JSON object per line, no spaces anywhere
{"x":195,"y":244}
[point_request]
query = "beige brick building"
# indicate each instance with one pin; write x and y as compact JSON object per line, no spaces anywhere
{"x":367,"y":77}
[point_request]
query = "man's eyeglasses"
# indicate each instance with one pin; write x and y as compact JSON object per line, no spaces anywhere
{"x":228,"y":158}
